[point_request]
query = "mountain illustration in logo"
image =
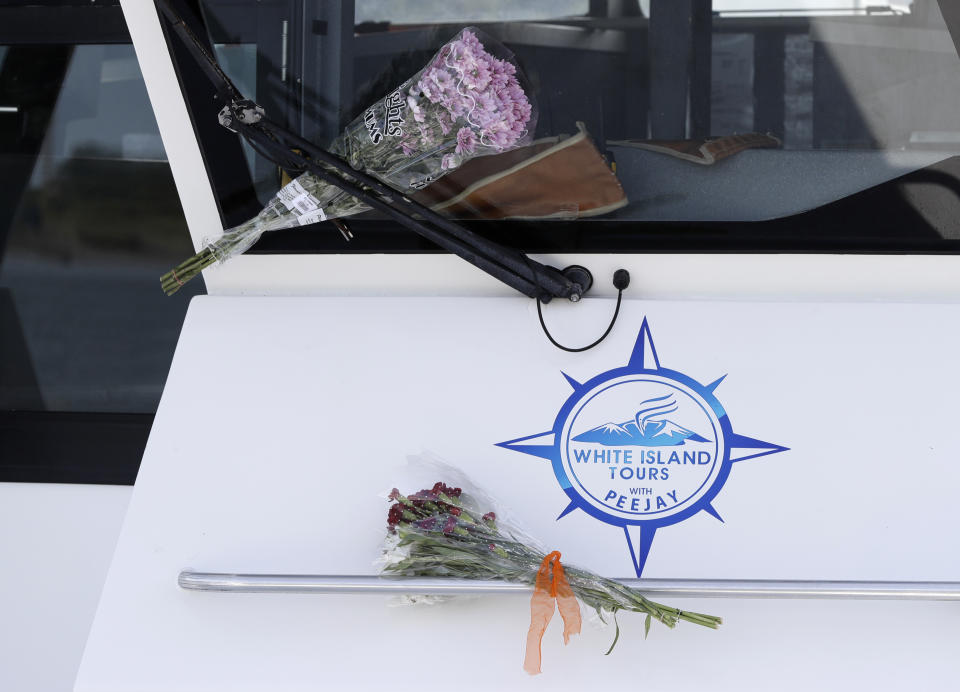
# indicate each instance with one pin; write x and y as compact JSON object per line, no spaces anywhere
{"x":649,"y":428}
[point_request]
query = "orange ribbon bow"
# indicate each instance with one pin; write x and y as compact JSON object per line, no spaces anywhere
{"x":547,"y":590}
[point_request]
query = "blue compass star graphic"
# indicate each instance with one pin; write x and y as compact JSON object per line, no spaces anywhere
{"x":642,"y":447}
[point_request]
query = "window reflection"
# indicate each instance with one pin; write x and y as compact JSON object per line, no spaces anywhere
{"x":89,"y":219}
{"x":420,"y":12}
{"x":855,"y":94}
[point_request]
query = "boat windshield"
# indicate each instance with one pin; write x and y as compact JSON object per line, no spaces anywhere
{"x":732,"y":125}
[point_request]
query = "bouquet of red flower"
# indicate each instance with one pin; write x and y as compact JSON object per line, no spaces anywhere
{"x":444,"y":532}
{"x":470,"y":100}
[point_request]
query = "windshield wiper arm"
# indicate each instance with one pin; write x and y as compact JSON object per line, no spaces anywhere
{"x":295,"y":155}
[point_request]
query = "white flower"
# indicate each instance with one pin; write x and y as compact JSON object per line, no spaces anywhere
{"x":393,"y":553}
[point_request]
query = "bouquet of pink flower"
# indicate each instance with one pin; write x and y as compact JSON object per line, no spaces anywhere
{"x":443,"y":531}
{"x":471,"y":100}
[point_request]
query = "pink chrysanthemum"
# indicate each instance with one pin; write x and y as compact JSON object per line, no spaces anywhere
{"x":448,"y":162}
{"x":466,"y":141}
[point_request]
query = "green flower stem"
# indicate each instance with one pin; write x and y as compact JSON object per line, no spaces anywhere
{"x":173,"y":280}
{"x":470,"y":556}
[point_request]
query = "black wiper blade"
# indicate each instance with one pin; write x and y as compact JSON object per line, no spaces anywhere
{"x":295,"y":155}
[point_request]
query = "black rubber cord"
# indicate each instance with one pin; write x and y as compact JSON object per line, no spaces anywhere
{"x":582,"y":348}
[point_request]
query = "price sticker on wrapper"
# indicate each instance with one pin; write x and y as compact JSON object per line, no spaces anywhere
{"x":315,"y":216}
{"x":296,"y":199}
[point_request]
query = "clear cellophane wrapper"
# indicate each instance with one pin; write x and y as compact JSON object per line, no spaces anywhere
{"x":454,"y":529}
{"x":470,"y":100}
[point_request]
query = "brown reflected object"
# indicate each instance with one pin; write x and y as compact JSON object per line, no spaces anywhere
{"x":285,"y":178}
{"x":704,"y":151}
{"x":551,"y":178}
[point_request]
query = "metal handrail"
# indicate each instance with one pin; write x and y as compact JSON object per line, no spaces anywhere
{"x":706,"y":588}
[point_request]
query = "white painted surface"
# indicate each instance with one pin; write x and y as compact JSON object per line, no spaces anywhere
{"x":56,"y":543}
{"x":832,"y":278}
{"x":173,"y":120}
{"x":269,"y":457}
{"x":258,"y":493}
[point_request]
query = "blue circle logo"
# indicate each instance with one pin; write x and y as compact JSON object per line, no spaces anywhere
{"x":641,"y":447}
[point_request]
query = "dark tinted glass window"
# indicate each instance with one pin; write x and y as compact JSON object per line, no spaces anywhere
{"x":89,"y":219}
